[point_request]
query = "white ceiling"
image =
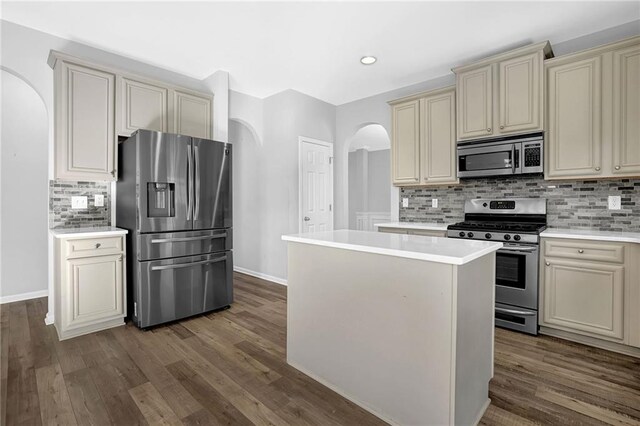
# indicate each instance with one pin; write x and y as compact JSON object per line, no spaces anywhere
{"x":315,"y":47}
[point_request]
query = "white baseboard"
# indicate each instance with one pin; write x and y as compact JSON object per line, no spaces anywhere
{"x":271,"y":278}
{"x":23,"y":296}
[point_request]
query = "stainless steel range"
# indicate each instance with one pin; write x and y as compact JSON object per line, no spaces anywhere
{"x":516,"y":222}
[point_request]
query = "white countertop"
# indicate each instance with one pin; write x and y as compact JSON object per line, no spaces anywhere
{"x":427,"y":226}
{"x":591,"y":234}
{"x":101,"y":231}
{"x":434,"y":249}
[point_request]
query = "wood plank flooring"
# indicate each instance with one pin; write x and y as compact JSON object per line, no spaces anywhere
{"x":230,"y":368}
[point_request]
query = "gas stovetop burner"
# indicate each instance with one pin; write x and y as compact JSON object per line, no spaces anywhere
{"x":523,"y":228}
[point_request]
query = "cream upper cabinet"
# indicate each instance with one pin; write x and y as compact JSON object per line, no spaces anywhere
{"x":405,"y":143}
{"x":591,"y":288}
{"x":438,"y":137}
{"x":521,"y":94}
{"x":142,"y":106}
{"x":592,"y":108}
{"x":95,"y":104}
{"x":85,"y":134}
{"x":574,"y":94}
{"x":502,"y":95}
{"x":475,"y":103}
{"x":626,"y":111}
{"x":423,"y":142}
{"x":192,"y":114}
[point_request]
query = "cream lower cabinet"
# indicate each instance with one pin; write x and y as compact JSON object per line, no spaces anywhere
{"x":591,"y":288}
{"x":423,"y":141}
{"x":90,"y":290}
{"x":592,"y":108}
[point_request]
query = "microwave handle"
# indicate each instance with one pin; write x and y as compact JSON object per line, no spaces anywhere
{"x":513,"y":159}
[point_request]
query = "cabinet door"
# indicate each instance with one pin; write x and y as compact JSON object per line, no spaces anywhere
{"x":192,"y":115}
{"x":95,"y":290}
{"x":584,"y":297}
{"x":405,"y":143}
{"x":475,"y":103}
{"x":521,"y":94}
{"x":85,"y":123}
{"x":574,"y":143}
{"x":626,"y":111}
{"x":439,"y":139}
{"x":142,"y":106}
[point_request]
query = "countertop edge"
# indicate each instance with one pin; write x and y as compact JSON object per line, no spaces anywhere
{"x":578,"y":234}
{"x":413,"y":225}
{"x":396,"y":253}
{"x":82,"y":233}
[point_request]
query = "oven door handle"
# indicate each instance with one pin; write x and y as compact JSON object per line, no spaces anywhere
{"x":521,"y":250}
{"x":514,"y":312}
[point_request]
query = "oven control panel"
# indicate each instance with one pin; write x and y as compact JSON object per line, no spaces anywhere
{"x":493,"y":236}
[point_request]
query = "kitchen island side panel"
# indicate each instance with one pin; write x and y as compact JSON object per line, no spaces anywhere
{"x":475,"y":299}
{"x":377,"y":329}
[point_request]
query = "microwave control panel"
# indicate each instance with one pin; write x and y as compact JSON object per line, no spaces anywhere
{"x":532,"y":154}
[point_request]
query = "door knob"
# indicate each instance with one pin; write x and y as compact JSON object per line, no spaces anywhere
{"x":580,"y":251}
{"x":489,"y":129}
{"x":547,"y":263}
{"x":98,"y":245}
{"x":502,"y":127}
{"x":597,"y":169}
{"x":617,"y":167}
{"x":307,"y":218}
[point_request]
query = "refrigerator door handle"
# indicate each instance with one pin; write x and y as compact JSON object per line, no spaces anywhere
{"x":196,"y":173}
{"x":189,"y":182}
{"x":180,"y":240}
{"x":188,"y":265}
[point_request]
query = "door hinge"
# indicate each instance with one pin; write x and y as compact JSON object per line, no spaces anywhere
{"x":330,"y":160}
{"x":329,"y":207}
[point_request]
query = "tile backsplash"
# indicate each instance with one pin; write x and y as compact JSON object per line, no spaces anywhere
{"x":570,"y":204}
{"x":61,"y":215}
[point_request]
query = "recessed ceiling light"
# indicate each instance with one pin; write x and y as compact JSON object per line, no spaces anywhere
{"x":368,"y":60}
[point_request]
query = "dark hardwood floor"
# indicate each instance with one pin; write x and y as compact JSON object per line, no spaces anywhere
{"x":230,"y":368}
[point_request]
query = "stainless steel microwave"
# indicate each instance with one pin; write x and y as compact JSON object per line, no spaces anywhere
{"x":499,"y":157}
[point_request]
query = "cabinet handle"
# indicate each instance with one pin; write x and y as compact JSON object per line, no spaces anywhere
{"x":98,"y":245}
{"x":580,"y":251}
{"x":597,"y":169}
{"x":617,"y":167}
{"x":547,"y":263}
{"x":488,"y":129}
{"x":501,"y":127}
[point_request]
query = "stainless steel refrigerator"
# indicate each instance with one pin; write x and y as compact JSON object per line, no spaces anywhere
{"x":174,"y":196}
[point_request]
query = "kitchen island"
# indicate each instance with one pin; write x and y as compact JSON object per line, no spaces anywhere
{"x":401,"y":325}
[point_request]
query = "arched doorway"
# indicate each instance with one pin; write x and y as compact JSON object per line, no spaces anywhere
{"x":369,"y":179}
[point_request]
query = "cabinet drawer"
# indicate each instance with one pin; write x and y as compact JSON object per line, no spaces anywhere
{"x":427,"y":233}
{"x":94,"y":246}
{"x":392,"y":230}
{"x":576,"y":249}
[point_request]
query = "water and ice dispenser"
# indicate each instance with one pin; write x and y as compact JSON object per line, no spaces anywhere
{"x":160,"y":199}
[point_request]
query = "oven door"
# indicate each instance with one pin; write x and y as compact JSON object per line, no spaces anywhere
{"x":517,"y":275}
{"x":489,"y":159}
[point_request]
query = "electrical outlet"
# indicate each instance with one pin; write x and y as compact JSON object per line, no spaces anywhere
{"x":79,"y":202}
{"x":98,"y":200}
{"x":614,"y":202}
{"x":405,"y":202}
{"x":434,"y":203}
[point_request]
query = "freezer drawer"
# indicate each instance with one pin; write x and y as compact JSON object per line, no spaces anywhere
{"x":188,"y":243}
{"x":172,"y":289}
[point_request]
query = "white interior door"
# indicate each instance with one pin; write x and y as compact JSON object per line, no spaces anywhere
{"x":316,"y":185}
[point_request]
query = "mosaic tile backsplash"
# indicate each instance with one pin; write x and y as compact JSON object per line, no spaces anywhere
{"x":570,"y":204}
{"x":61,"y":215}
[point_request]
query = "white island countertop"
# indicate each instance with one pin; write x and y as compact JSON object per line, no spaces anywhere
{"x":434,"y":249}
{"x":99,"y":231}
{"x":426,"y":226}
{"x":591,"y":234}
